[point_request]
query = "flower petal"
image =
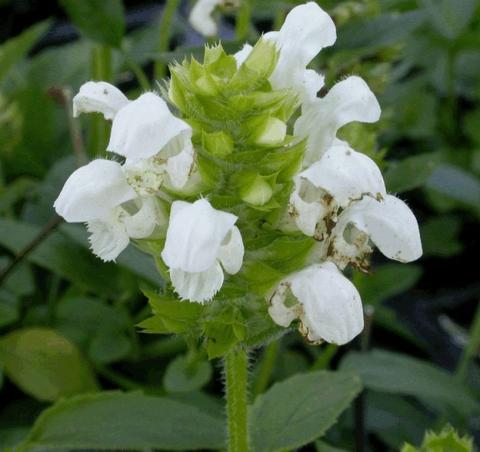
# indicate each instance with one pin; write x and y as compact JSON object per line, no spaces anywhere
{"x":99,"y":97}
{"x":390,"y":223}
{"x":195,"y":234}
{"x":144,"y":127}
{"x":243,"y":54}
{"x":201,"y":19}
{"x":329,"y":307}
{"x":180,"y":166}
{"x":307,"y":30}
{"x":345,"y":174}
{"x":108,"y":238}
{"x":307,"y":206}
{"x":92,"y":191}
{"x":142,"y":224}
{"x":231,"y":252}
{"x":312,"y":82}
{"x":349,"y":100}
{"x":198,"y":287}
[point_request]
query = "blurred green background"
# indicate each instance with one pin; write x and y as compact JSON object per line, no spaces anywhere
{"x":67,"y":320}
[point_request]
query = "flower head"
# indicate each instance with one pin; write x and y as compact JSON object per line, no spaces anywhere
{"x":251,"y":135}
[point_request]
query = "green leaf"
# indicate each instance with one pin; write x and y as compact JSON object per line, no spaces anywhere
{"x":102,"y":21}
{"x":394,"y":419}
{"x":131,"y":258}
{"x":450,"y":17}
{"x":9,"y":308}
{"x":395,"y":373}
{"x":44,"y":364}
{"x":12,"y":51}
{"x":171,"y":315}
{"x":20,"y":281}
{"x":321,"y":446}
{"x":386,"y":281}
{"x":106,"y":341}
{"x":440,"y":236}
{"x":124,"y":421}
{"x":457,"y":184}
{"x":185,"y":376}
{"x":58,"y":254}
{"x":299,"y":410}
{"x":411,"y":172}
{"x":378,"y":32}
{"x":109,"y":345}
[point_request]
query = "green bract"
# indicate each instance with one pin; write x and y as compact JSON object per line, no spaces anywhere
{"x":246,"y":158}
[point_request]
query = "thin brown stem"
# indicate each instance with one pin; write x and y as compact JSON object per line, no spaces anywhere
{"x":24,"y":252}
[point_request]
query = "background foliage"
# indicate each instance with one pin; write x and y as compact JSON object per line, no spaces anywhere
{"x":68,"y":321}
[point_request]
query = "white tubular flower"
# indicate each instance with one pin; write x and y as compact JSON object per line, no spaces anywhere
{"x":156,"y":144}
{"x":388,"y":223}
{"x":145,"y":127}
{"x":200,"y":241}
{"x":349,"y":100}
{"x":306,"y":31}
{"x":341,"y":176}
{"x":201,"y":19}
{"x":99,"y":195}
{"x":327,"y":304}
{"x":99,"y":97}
{"x":93,"y":190}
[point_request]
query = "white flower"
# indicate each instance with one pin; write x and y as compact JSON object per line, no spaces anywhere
{"x":349,"y":100}
{"x":99,"y":195}
{"x":99,"y":97}
{"x":306,"y":31}
{"x":145,"y":127}
{"x":327,"y":304}
{"x":200,"y":241}
{"x":341,"y":176}
{"x":145,"y":132}
{"x":201,"y":19}
{"x":388,"y":223}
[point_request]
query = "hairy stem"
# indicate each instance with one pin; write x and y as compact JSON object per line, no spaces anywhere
{"x":236,"y":381}
{"x":165,"y":35}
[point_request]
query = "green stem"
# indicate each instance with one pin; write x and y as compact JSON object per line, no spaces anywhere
{"x":101,"y":69}
{"x":165,"y":34}
{"x":266,"y":367}
{"x":326,"y":356}
{"x":472,"y":347}
{"x":236,"y":380}
{"x":137,"y":70}
{"x":244,"y":17}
